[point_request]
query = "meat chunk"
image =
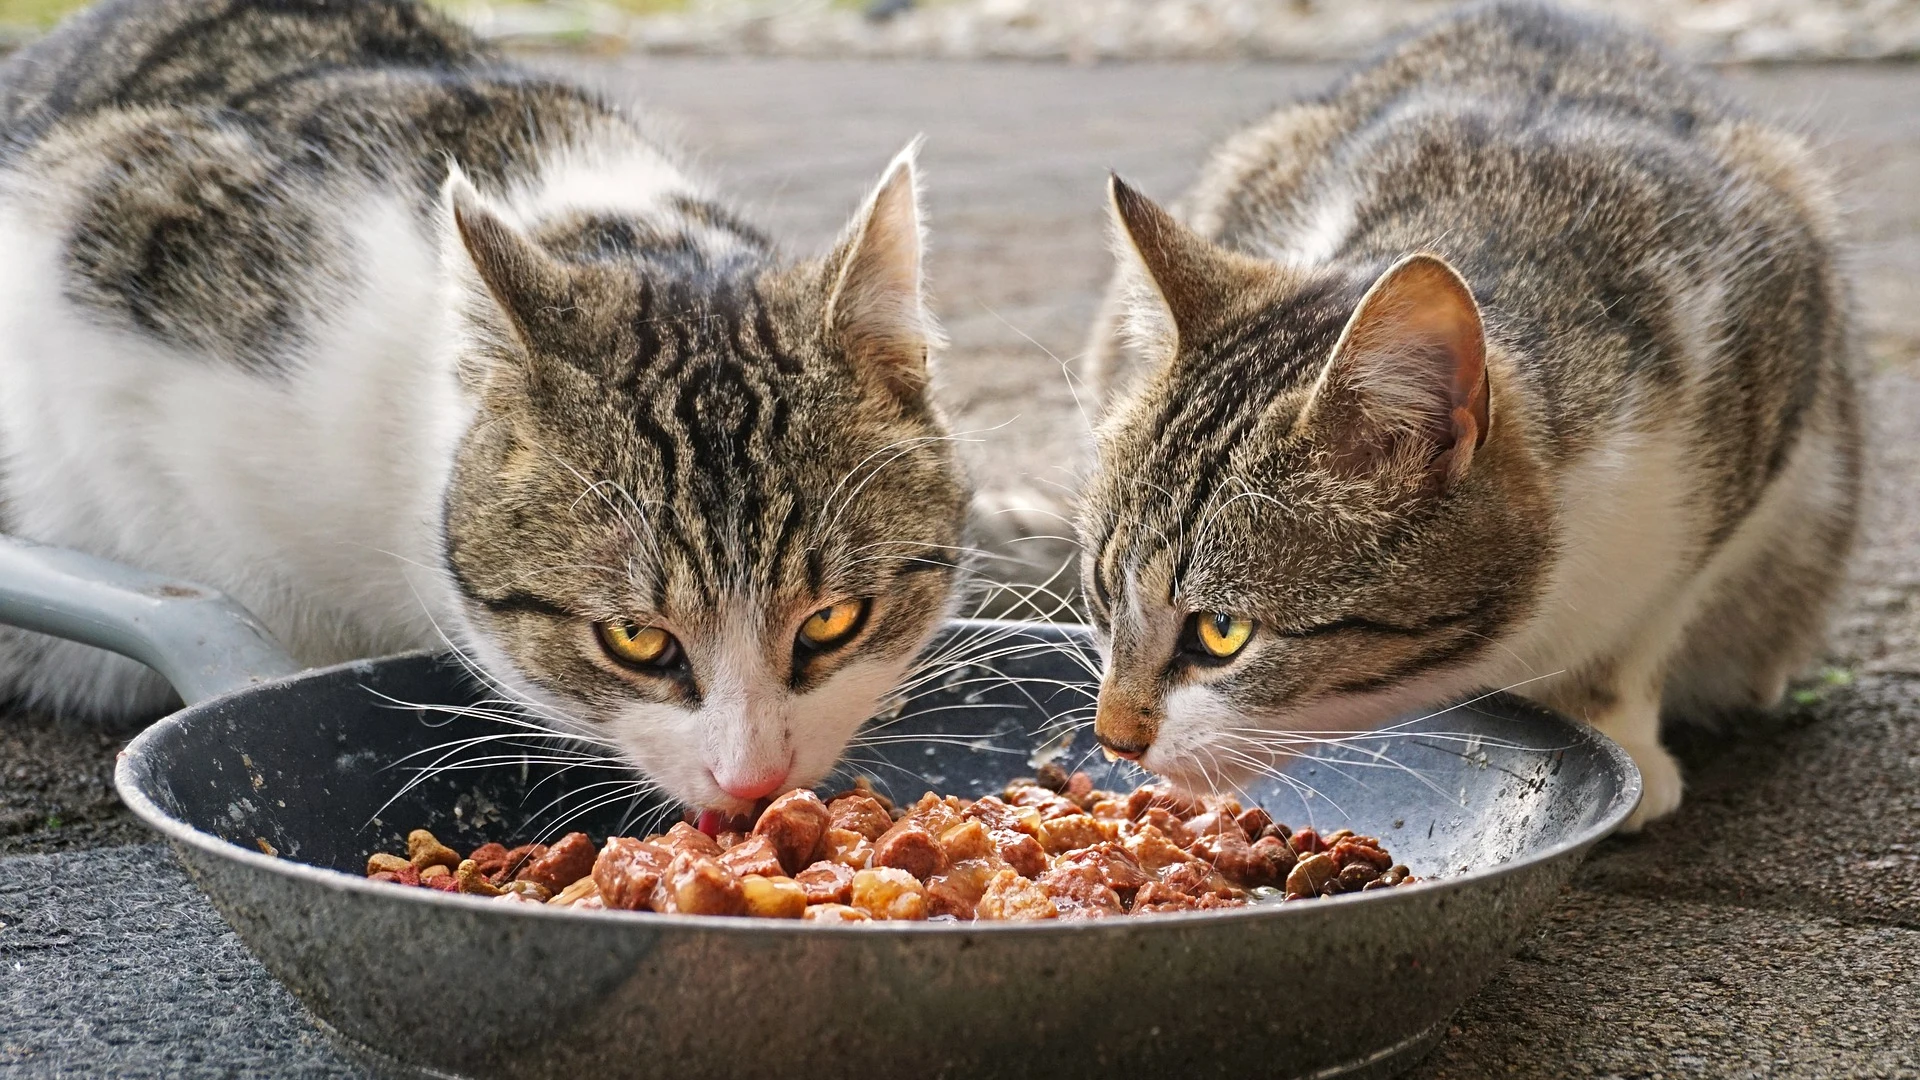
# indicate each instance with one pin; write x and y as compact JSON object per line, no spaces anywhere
{"x":1153,"y":851}
{"x":1117,"y":869}
{"x":628,"y":871}
{"x":1230,"y":854}
{"x":965,"y":840}
{"x":685,"y":838}
{"x":753,"y":855}
{"x":794,"y":823}
{"x":826,"y":882}
{"x":1164,"y":796}
{"x":887,"y":893}
{"x":565,"y":862}
{"x":1360,"y":849}
{"x":698,"y":885}
{"x":957,"y":891}
{"x":836,"y":913}
{"x":906,"y":846}
{"x":846,"y":847}
{"x":1075,"y":830}
{"x":1009,"y":896}
{"x":1046,"y":803}
{"x":935,"y":814}
{"x":859,"y":813}
{"x":773,"y":897}
{"x":1079,"y":891}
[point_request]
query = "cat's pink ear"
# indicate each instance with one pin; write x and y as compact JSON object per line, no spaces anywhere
{"x":525,"y":285}
{"x":876,"y":305}
{"x":1181,"y":286}
{"x":1407,"y":384}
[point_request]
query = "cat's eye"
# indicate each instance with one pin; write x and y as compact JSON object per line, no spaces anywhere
{"x":834,"y":624}
{"x":1221,"y":635}
{"x":638,"y":646}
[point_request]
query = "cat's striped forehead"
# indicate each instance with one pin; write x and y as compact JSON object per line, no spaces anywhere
{"x":1206,"y":432}
{"x":686,"y":431}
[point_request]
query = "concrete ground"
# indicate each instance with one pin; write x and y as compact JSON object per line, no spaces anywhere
{"x":1771,"y":928}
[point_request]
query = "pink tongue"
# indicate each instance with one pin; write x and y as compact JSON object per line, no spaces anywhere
{"x":711,"y":822}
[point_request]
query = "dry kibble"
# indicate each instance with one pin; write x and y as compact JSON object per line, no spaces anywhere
{"x":382,"y":863}
{"x":424,"y":850}
{"x":532,"y":890}
{"x":773,"y":897}
{"x":468,"y":876}
{"x":437,"y":870}
{"x":1357,"y":875}
{"x":1310,"y":875}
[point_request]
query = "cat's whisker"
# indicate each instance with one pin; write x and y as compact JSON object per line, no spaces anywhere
{"x":1377,"y":760}
{"x":904,"y":447}
{"x":635,"y":790}
{"x":1305,"y":790}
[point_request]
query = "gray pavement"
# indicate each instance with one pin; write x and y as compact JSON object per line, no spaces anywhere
{"x":1772,"y":928}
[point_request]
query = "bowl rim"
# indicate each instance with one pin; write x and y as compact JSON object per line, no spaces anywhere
{"x":133,"y":767}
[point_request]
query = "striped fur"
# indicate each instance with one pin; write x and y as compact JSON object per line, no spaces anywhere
{"x":1656,"y":511}
{"x":324,"y":304}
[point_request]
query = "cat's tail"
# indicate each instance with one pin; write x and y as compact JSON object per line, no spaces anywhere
{"x":1027,"y":560}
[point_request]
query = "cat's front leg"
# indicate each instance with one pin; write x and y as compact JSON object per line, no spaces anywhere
{"x":1633,"y":721}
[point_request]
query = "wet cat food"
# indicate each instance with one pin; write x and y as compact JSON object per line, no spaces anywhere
{"x":1047,"y":847}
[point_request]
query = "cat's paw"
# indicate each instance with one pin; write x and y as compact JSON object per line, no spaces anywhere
{"x":1660,"y":784}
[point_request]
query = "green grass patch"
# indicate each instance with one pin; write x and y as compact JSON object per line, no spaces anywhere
{"x":39,"y":14}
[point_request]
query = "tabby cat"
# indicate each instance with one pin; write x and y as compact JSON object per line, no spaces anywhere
{"x":1520,"y":357}
{"x":325,"y":305}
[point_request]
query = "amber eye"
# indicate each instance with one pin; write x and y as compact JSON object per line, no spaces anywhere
{"x":1221,"y":634}
{"x":834,"y":624}
{"x":638,"y":646}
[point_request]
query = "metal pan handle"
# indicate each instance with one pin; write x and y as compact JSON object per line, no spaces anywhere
{"x":201,"y":641}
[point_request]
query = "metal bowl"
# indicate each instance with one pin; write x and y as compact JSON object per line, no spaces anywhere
{"x":1493,"y":800}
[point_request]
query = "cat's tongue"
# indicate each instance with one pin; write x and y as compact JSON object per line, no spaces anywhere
{"x":715,"y":822}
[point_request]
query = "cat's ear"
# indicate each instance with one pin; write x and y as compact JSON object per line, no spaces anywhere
{"x":876,"y":298}
{"x":529,"y":291}
{"x":1407,"y":382}
{"x":1180,"y":286}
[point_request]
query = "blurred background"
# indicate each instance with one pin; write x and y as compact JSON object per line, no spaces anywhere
{"x":1088,"y":30}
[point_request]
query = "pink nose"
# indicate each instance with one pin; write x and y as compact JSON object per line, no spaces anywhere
{"x":753,"y":787}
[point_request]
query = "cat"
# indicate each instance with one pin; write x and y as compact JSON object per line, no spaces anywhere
{"x":1520,"y":358}
{"x":325,"y":305}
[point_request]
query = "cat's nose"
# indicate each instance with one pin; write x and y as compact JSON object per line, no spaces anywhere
{"x":1123,"y":726}
{"x":752,"y":786}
